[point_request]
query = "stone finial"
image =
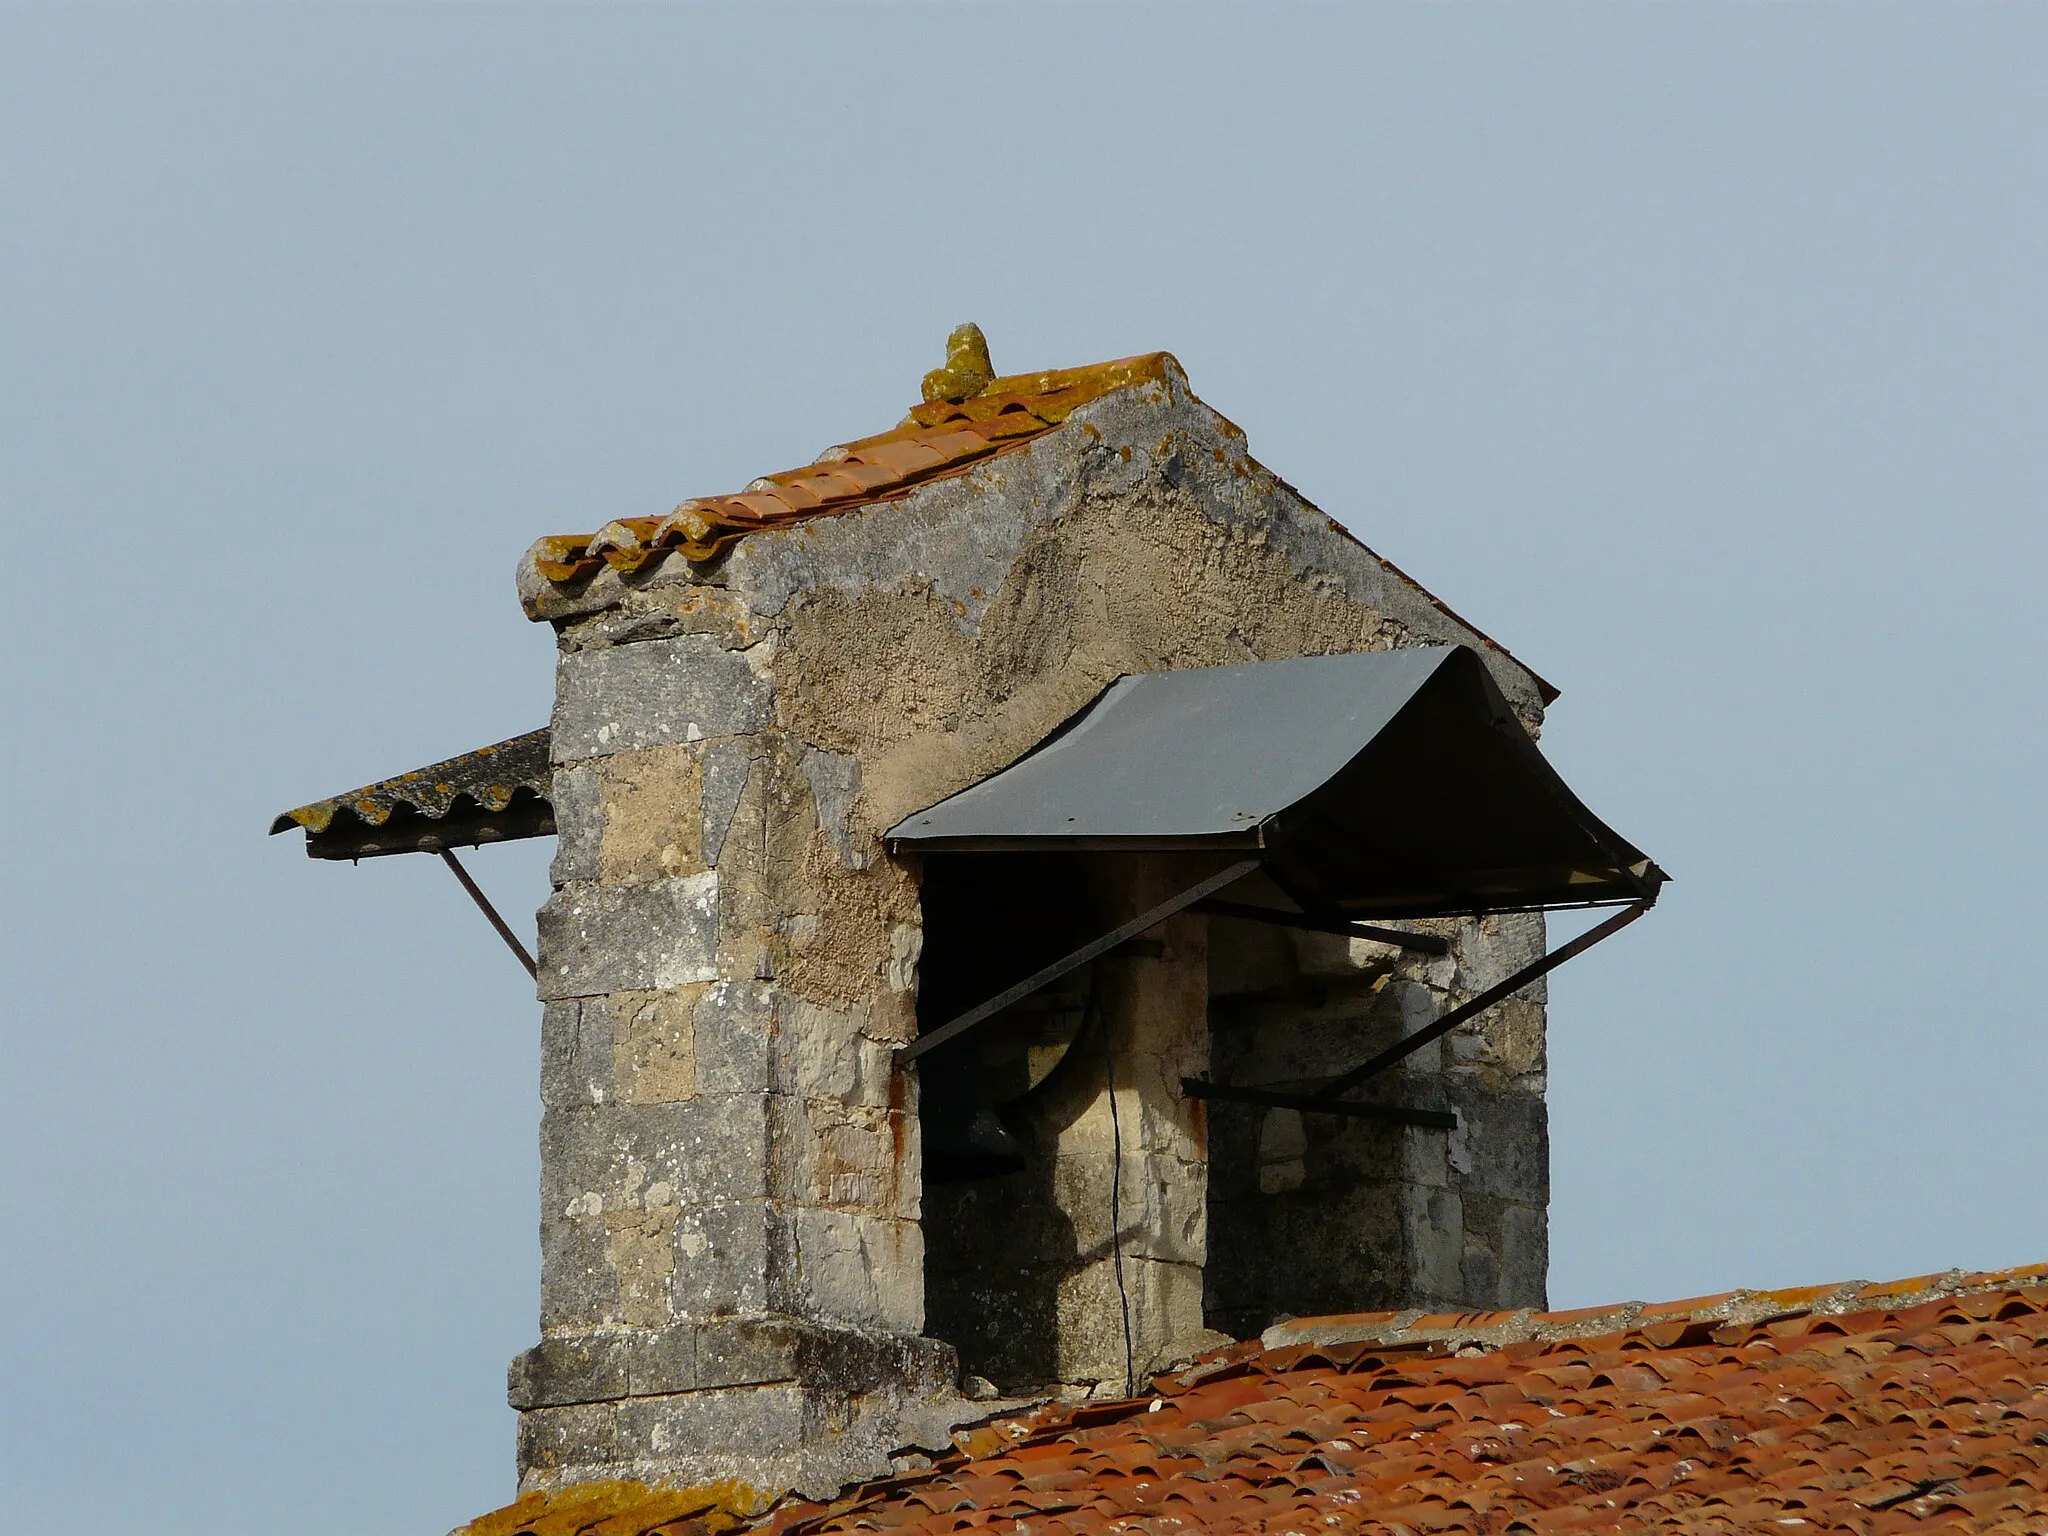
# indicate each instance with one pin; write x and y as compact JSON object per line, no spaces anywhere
{"x":967,"y":371}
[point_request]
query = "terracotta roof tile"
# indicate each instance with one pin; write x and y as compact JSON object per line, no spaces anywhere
{"x":1869,"y":1409}
{"x":937,"y":439}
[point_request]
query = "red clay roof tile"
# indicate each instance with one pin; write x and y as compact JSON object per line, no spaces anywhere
{"x":1928,"y":1414}
{"x":1800,"y":1414}
{"x":937,"y":439}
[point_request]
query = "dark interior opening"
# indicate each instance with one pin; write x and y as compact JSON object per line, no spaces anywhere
{"x":1451,"y":809}
{"x":996,"y":1243}
{"x":1302,"y":1209}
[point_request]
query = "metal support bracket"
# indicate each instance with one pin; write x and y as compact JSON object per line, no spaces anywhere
{"x":932,"y":1039}
{"x":1420,"y":943}
{"x":1410,"y":1044}
{"x":1399,"y":1114}
{"x":484,"y":905}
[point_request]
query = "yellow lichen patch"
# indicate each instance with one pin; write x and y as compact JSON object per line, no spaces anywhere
{"x":317,"y":817}
{"x":564,"y":557}
{"x":624,"y":1509}
{"x":967,"y":371}
{"x":1049,"y":397}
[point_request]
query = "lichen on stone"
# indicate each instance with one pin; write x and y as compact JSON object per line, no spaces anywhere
{"x":967,"y":371}
{"x":624,"y":1508}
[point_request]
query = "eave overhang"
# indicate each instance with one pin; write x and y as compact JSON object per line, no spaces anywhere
{"x":1378,"y":784}
{"x":495,"y":794}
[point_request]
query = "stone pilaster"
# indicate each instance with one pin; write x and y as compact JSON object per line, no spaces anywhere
{"x":1131,"y":1158}
{"x":731,"y":1258}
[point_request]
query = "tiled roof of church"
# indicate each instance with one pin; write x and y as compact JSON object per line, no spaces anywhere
{"x":1921,"y":1404}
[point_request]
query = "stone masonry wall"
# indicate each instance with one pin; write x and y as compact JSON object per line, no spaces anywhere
{"x":1312,"y":1214}
{"x":732,"y":1275}
{"x":731,"y":1257}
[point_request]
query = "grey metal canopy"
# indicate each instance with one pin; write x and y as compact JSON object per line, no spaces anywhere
{"x":1373,"y":784}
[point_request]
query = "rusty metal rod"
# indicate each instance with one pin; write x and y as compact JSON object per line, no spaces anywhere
{"x":484,"y":905}
{"x":1409,"y":1044}
{"x":1399,"y":1114}
{"x":1080,"y":957}
{"x":1421,"y":943}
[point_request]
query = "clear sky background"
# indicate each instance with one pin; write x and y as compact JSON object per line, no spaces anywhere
{"x":1695,"y":353}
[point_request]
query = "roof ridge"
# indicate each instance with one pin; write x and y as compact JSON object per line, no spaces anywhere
{"x":936,"y":440}
{"x":1738,"y":1308}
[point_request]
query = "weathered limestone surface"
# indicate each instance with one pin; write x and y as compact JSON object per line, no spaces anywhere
{"x":772,"y":1403}
{"x":600,"y":938}
{"x":653,"y":694}
{"x":730,"y":1168}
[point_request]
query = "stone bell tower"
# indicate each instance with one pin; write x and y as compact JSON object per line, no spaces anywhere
{"x":770,"y":1247}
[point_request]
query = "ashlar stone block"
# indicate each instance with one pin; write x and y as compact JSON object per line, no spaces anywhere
{"x":596,"y":939}
{"x":852,"y":1156}
{"x":654,"y":1058}
{"x":734,"y":1259}
{"x":827,"y":1054}
{"x":1506,"y":1146}
{"x":1164,"y":1305}
{"x":1160,"y":1202}
{"x":834,"y":778}
{"x":640,"y":1248}
{"x":836,"y":1405}
{"x":861,"y":1269}
{"x":732,"y":1026}
{"x":1433,"y":1229}
{"x":576,"y":1061}
{"x":578,"y":823}
{"x":706,"y":1151}
{"x":622,"y":697}
{"x":579,"y":1287}
{"x":1524,"y":1255}
{"x":727,"y":767}
{"x":651,"y":804}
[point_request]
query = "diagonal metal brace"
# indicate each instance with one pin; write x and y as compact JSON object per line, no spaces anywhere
{"x":932,"y":1039}
{"x":1421,"y":943}
{"x":1408,"y":1045}
{"x":484,"y":905}
{"x":1398,"y":1114}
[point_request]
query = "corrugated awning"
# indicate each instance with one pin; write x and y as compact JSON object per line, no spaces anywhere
{"x":492,"y":795}
{"x":1374,"y":784}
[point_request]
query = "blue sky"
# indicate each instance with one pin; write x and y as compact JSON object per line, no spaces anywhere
{"x":1696,"y":353}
